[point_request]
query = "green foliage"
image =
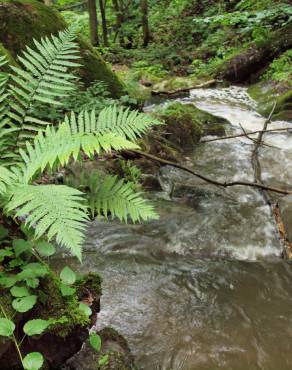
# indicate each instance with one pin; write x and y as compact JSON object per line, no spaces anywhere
{"x":95,"y":341}
{"x":35,"y":327}
{"x":59,"y":211}
{"x":281,"y":68}
{"x":30,"y":146}
{"x":33,"y":361}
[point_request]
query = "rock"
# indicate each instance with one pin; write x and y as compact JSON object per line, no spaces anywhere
{"x":254,"y":58}
{"x":186,"y":124}
{"x":23,"y":20}
{"x":114,"y":347}
{"x":266,"y":93}
{"x":172,"y":84}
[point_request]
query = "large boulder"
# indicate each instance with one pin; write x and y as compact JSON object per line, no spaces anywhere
{"x":23,"y":20}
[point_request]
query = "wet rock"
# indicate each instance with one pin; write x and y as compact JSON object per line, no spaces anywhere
{"x":115,"y":352}
{"x":185,"y":124}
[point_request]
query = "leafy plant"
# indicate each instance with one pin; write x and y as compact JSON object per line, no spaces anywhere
{"x":30,"y":147}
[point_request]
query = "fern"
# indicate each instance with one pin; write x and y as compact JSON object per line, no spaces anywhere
{"x":29,"y":146}
{"x":118,"y":120}
{"x":114,"y":196}
{"x":6,"y":179}
{"x":44,"y":78}
{"x":57,"y":210}
{"x":57,"y":146}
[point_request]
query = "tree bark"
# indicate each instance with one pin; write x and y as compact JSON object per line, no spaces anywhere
{"x":145,"y":23}
{"x":102,"y":6}
{"x":93,"y":22}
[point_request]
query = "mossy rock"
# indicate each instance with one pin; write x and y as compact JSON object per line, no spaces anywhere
{"x":23,"y":20}
{"x":267,"y":93}
{"x":114,"y":350}
{"x":186,"y":124}
{"x":172,"y":84}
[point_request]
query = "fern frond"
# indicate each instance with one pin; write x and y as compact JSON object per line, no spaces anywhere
{"x":6,"y":179}
{"x":44,"y":78}
{"x":116,"y":197}
{"x":57,"y":146}
{"x":55,"y":210}
{"x":121,"y":121}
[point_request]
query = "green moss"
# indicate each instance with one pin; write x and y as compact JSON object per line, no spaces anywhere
{"x":172,"y":84}
{"x":186,"y":124}
{"x":63,"y":312}
{"x":266,"y":93}
{"x":95,"y":68}
{"x":23,"y":20}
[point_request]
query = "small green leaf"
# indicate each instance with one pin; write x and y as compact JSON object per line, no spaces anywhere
{"x":20,"y":246}
{"x":36,"y":269}
{"x":66,"y":290}
{"x":45,"y":249}
{"x":33,"y":361}
{"x":85,"y":309}
{"x":103,"y":360}
{"x":95,"y":341}
{"x":19,"y":291}
{"x":6,"y":327}
{"x":35,"y":327}
{"x":68,"y":276}
{"x":24,"y":304}
{"x":3,"y":232}
{"x":6,"y":252}
{"x":32,"y":283}
{"x":8,"y":281}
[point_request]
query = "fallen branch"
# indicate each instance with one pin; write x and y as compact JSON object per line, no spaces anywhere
{"x":249,"y":133}
{"x":208,"y":179}
{"x":186,"y":89}
{"x":255,"y":157}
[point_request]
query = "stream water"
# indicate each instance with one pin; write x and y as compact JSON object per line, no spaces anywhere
{"x":204,"y":287}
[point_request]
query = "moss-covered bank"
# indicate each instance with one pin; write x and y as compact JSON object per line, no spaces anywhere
{"x":23,"y":20}
{"x":266,"y":94}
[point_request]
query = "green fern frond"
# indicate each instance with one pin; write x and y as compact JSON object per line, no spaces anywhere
{"x":44,"y":78}
{"x":123,"y":122}
{"x":55,"y":210}
{"x":116,"y":197}
{"x":6,"y":179}
{"x":57,"y":146}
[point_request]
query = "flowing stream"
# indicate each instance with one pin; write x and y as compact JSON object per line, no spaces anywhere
{"x":204,"y":287}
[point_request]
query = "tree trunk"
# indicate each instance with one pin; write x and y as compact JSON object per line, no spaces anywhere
{"x":93,"y":23}
{"x":48,"y":2}
{"x":102,"y":6}
{"x":145,"y":23}
{"x":119,"y":21}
